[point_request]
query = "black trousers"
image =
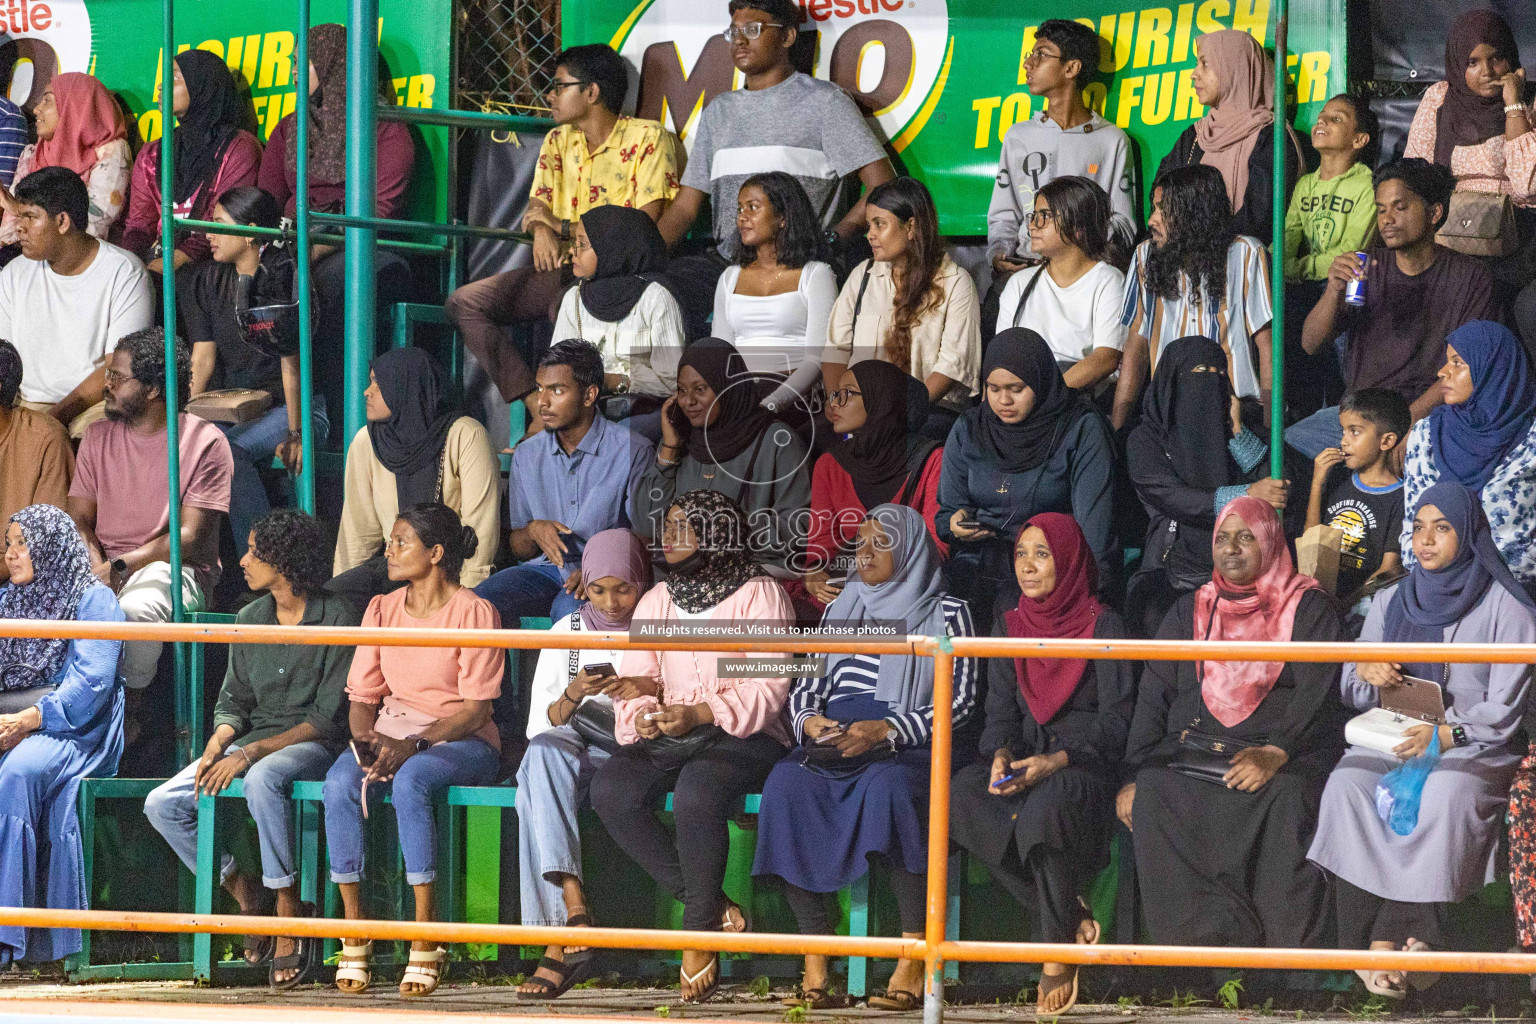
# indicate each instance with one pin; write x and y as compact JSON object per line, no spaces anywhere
{"x":627,"y":792}
{"x":1365,"y":918}
{"x":813,"y":910}
{"x":1048,"y":881}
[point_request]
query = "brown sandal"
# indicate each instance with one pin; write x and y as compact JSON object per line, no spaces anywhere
{"x":1050,"y":985}
{"x":896,"y":1000}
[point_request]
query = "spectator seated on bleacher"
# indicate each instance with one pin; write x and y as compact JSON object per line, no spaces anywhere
{"x":211,"y":296}
{"x":67,"y":299}
{"x":36,"y":460}
{"x":416,"y":449}
{"x":120,"y":499}
{"x":594,"y":156}
{"x":573,"y":480}
{"x":420,"y":719}
{"x":280,"y":718}
{"x":61,"y":720}
{"x":570,"y":733}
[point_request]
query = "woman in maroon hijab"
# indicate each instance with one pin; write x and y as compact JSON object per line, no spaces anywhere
{"x":1040,"y":816}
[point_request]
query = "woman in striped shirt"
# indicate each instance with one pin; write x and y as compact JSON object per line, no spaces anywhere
{"x":857,"y":785}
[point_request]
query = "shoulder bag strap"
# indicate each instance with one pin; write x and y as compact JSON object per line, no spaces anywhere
{"x":1029,"y":290}
{"x":858,"y":302}
{"x":915,"y":472}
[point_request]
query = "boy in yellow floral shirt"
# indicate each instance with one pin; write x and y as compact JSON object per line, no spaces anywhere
{"x":595,"y":156}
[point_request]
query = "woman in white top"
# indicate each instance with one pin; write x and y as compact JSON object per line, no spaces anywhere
{"x":910,"y":305}
{"x":621,"y":305}
{"x":1073,"y":299}
{"x":775,"y":305}
{"x":570,"y":729}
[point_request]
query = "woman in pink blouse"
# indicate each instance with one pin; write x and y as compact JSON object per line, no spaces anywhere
{"x":421,"y":722}
{"x":212,"y":152}
{"x":1478,"y":122}
{"x":79,"y":126}
{"x":686,"y":728}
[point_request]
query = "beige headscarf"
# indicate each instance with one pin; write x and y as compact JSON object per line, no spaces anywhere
{"x":1228,"y":132}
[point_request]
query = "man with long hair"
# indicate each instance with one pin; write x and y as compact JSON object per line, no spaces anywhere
{"x":1196,"y":276}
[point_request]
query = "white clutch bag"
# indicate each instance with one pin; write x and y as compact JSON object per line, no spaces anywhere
{"x":1415,"y":702}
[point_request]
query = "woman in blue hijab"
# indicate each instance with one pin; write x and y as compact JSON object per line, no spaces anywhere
{"x":1484,"y":436}
{"x":61,"y":720}
{"x":1393,"y":891}
{"x":856,"y":787}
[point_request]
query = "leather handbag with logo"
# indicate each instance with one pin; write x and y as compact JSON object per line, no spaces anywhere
{"x":1480,"y":224}
{"x":1206,"y":757}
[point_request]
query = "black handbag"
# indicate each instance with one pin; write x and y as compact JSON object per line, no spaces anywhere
{"x":592,"y":720}
{"x":669,"y":753}
{"x":1206,"y":757}
{"x":619,"y":407}
{"x":826,"y":759}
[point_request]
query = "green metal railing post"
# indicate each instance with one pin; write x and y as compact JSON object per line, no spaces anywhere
{"x":1277,"y":251}
{"x":187,"y":740}
{"x":306,"y":487}
{"x":362,"y":186}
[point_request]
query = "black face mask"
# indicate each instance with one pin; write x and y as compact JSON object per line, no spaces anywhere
{"x":687,"y":567}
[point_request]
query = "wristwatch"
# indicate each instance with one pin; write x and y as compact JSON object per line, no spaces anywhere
{"x":1458,"y":736}
{"x":423,"y":744}
{"x":119,"y":566}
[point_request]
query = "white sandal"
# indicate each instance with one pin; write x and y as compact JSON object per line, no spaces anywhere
{"x":355,"y":967}
{"x":423,"y":967}
{"x":1377,"y":985}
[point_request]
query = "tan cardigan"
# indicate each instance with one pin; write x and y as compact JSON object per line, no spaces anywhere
{"x":471,"y":487}
{"x":946,"y":340}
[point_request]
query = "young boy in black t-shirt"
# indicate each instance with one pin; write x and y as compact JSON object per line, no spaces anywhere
{"x":1367,"y":503}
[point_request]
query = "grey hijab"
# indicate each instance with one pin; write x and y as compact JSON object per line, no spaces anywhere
{"x":913,"y":596}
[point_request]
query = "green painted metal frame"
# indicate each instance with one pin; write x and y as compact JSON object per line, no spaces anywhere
{"x":1277,"y":250}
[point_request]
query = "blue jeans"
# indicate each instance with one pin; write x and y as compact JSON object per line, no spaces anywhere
{"x":415,"y":788}
{"x":531,"y":590}
{"x":172,"y":810}
{"x":1318,"y":431}
{"x":253,"y":444}
{"x":552,"y":784}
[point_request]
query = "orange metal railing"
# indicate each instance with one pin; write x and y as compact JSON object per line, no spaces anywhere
{"x":932,"y":948}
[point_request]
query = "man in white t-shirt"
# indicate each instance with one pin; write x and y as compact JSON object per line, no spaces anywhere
{"x":1196,"y":276}
{"x":67,"y":299}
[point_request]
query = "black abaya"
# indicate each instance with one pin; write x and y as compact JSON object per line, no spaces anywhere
{"x":1216,"y":866}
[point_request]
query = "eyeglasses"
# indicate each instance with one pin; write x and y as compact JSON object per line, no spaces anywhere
{"x":842,"y":396}
{"x":750,"y":30}
{"x":1036,"y":56}
{"x":1039,"y":218}
{"x":579,"y":245}
{"x":113,"y":378}
{"x":558,"y":85}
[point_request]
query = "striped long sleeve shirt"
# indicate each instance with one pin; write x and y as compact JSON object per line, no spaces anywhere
{"x":857,"y":675}
{"x":13,"y":139}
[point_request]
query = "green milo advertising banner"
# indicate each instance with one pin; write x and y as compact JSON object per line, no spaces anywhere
{"x":944,"y":79}
{"x":119,"y":41}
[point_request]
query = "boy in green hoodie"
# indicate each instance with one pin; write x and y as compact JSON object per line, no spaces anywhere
{"x":1332,"y":211}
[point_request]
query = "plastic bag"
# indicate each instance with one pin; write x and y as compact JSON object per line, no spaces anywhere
{"x":1398,"y":792}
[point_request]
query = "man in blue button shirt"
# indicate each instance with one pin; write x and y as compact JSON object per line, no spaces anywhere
{"x":574,"y":480}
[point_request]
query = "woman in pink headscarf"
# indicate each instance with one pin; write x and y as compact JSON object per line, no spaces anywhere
{"x":1235,"y":79}
{"x":1228,"y":759}
{"x":79,"y":126}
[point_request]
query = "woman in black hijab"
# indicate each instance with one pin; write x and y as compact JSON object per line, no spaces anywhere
{"x":213,"y":153}
{"x":1033,"y":445}
{"x":416,"y":449}
{"x":884,"y":457}
{"x":623,"y":305}
{"x":715,"y":436}
{"x":1189,"y":456}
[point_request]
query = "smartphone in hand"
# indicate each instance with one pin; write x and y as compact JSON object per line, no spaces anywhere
{"x":363,"y":755}
{"x":602,"y":670}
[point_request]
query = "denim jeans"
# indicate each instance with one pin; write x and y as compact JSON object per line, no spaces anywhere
{"x":1318,"y":431}
{"x":253,"y":444}
{"x":172,"y":810}
{"x":531,"y":590}
{"x":552,"y":784}
{"x":415,"y":788}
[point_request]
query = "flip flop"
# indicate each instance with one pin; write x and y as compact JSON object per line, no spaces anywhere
{"x":569,"y":973}
{"x":305,"y":958}
{"x":1056,"y":984}
{"x":714,"y":986}
{"x":816,"y":999}
{"x":1376,"y":984}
